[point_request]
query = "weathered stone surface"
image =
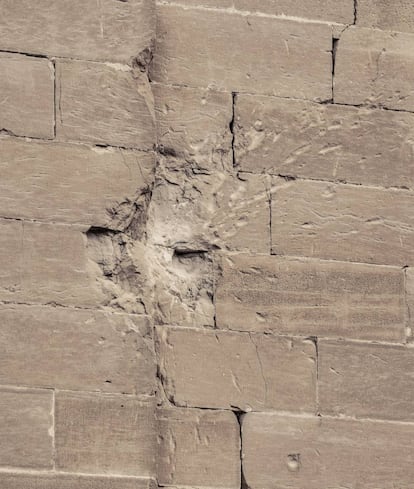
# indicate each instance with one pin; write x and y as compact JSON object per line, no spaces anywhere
{"x":75,"y":349}
{"x":367,"y":61}
{"x":253,"y":54}
{"x":26,"y":425}
{"x":105,"y":30}
{"x":27,"y":96}
{"x":342,"y":222}
{"x":194,"y":124}
{"x":65,"y":481}
{"x":216,"y":369}
{"x":330,"y":10}
{"x":262,"y":293}
{"x":45,"y":263}
{"x":198,"y":448}
{"x":409,"y":284}
{"x":368,"y":381}
{"x":328,"y":142}
{"x":381,"y":14}
{"x":105,"y":434}
{"x":324,"y":453}
{"x":71,"y":183}
{"x":104,"y":104}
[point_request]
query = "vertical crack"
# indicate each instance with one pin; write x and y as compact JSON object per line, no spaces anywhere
{"x":355,"y":11}
{"x":314,"y":340}
{"x":334,"y":49}
{"x":239,"y":416}
{"x":231,"y":126}
{"x":54,"y":97}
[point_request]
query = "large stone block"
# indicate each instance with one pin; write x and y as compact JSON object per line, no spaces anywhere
{"x":105,"y":434}
{"x":247,"y":53}
{"x":342,"y":222}
{"x":326,"y":453}
{"x":216,"y":369}
{"x":104,"y":104}
{"x":367,"y":61}
{"x":198,"y":448}
{"x":327,"y":142}
{"x":26,"y":428}
{"x":71,"y":183}
{"x":75,"y":349}
{"x":27,"y":95}
{"x":106,"y":30}
{"x":266,"y":294}
{"x":367,"y":381}
{"x":381,"y":14}
{"x":409,"y":285}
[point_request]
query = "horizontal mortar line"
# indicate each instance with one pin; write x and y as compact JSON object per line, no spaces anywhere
{"x":372,"y":107}
{"x":22,"y":471}
{"x":295,"y":336}
{"x":83,"y":228}
{"x":105,"y":145}
{"x":294,"y":177}
{"x":6,"y":133}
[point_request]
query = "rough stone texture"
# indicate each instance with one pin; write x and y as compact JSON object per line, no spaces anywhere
{"x":380,"y":14}
{"x":105,"y":30}
{"x":409,"y":284}
{"x":105,"y":434}
{"x":104,"y":104}
{"x":86,"y":350}
{"x":216,"y":369}
{"x":26,"y":428}
{"x":71,"y":183}
{"x":266,"y":294}
{"x":367,"y":62}
{"x":322,"y":453}
{"x":329,"y":10}
{"x":198,"y":448}
{"x":372,"y":225}
{"x":367,"y":381}
{"x":241,"y":54}
{"x":327,"y":142}
{"x":26,"y":96}
{"x":65,"y":481}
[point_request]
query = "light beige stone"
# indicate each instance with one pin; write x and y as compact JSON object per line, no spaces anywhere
{"x":104,"y":104}
{"x":198,"y":448}
{"x":323,"y":453}
{"x":342,"y":222}
{"x":75,"y":349}
{"x":367,"y":381}
{"x":194,"y":125}
{"x":381,"y":14}
{"x":327,"y":142}
{"x":105,"y":434}
{"x":376,"y":68}
{"x":266,"y":294}
{"x":45,"y":263}
{"x":72,"y":183}
{"x":26,"y":424}
{"x":104,"y":30}
{"x":27,"y":96}
{"x":220,"y":369}
{"x":65,"y":481}
{"x":246,"y":54}
{"x":327,"y":10}
{"x":409,"y":286}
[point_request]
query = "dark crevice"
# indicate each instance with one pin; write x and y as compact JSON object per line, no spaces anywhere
{"x":334,"y":49}
{"x":239,"y":416}
{"x":355,"y":11}
{"x":54,"y":98}
{"x":231,"y":127}
{"x":22,"y":53}
{"x":315,"y":341}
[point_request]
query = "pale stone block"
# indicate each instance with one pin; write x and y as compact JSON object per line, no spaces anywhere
{"x":397,"y":15}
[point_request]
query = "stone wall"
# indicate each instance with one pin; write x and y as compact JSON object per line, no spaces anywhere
{"x":206,"y":244}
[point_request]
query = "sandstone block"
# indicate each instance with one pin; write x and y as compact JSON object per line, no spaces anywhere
{"x":342,"y":222}
{"x":71,"y":183}
{"x":26,"y":424}
{"x":104,"y":104}
{"x":217,"y":369}
{"x":246,"y":54}
{"x":194,"y":124}
{"x":105,"y":434}
{"x":198,"y":448}
{"x":107,"y":30}
{"x":368,"y":381}
{"x":380,"y":14}
{"x":75,"y":349}
{"x":264,"y":294}
{"x":366,"y":63}
{"x":327,"y":10}
{"x":45,"y":263}
{"x":323,"y":453}
{"x":327,"y":142}
{"x":27,"y":96}
{"x":409,"y":284}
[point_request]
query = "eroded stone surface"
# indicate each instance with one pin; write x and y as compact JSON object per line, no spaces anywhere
{"x":380,"y":14}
